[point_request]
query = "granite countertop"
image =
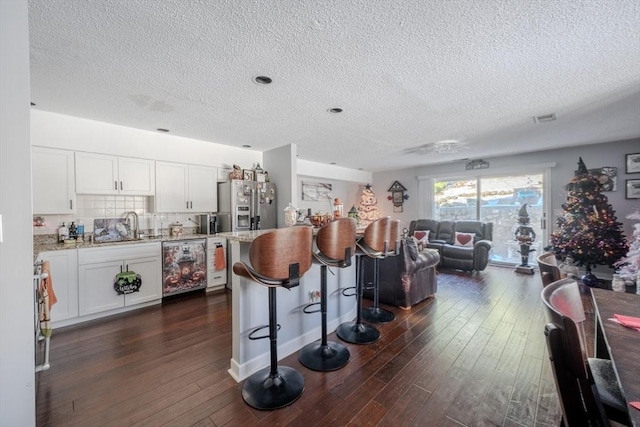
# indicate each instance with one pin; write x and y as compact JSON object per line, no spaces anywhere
{"x":42,"y":247}
{"x":243,"y":236}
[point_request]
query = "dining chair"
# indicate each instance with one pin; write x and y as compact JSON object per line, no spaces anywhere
{"x":549,"y":270}
{"x":587,"y":387}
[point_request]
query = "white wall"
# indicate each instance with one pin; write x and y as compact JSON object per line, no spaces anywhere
{"x":17,"y":376}
{"x":74,"y":133}
{"x":566,"y":159}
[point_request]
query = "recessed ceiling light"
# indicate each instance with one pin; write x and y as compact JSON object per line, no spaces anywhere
{"x":335,"y":110}
{"x":262,"y":80}
{"x":162,"y":130}
{"x":545,"y":118}
{"x":246,"y":145}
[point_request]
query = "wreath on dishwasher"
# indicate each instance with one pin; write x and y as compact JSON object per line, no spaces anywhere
{"x":127,"y":282}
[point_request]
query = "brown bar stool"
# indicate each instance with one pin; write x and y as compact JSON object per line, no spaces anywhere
{"x":336,"y":243}
{"x":374,"y":313}
{"x":278,"y":259}
{"x":375,"y":243}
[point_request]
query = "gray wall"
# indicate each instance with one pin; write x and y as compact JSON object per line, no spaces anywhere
{"x":566,"y":159}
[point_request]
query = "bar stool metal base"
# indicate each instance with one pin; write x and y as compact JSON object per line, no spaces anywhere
{"x":377,"y":315}
{"x":357,"y":333}
{"x":318,"y":357}
{"x":265,"y":391}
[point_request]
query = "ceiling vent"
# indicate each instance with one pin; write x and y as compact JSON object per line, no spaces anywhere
{"x":545,"y":118}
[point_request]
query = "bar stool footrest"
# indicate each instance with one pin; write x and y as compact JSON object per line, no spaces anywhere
{"x":351,"y":288}
{"x":259,"y":328}
{"x":265,"y":391}
{"x":306,"y":310}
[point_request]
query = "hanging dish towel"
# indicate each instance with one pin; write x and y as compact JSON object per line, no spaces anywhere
{"x":46,"y":299}
{"x":220,"y":262}
{"x":47,"y":283}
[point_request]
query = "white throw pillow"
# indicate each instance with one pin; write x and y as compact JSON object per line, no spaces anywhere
{"x":464,"y":239}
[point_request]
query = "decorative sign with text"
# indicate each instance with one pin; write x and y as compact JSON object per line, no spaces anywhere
{"x":127,"y":282}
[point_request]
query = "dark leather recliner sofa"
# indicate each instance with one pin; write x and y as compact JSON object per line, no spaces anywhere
{"x":442,"y":235}
{"x":406,"y":278}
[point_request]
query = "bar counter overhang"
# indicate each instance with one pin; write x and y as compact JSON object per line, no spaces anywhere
{"x":249,"y":309}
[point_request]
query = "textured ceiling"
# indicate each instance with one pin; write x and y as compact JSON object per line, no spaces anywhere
{"x":406,"y":73}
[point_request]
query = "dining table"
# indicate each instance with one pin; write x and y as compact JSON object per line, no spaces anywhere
{"x":619,"y":343}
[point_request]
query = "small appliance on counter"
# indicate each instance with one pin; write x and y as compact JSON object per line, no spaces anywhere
{"x":208,"y":223}
{"x":176,"y":229}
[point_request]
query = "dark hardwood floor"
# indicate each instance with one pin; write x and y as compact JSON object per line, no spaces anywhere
{"x":474,"y":355}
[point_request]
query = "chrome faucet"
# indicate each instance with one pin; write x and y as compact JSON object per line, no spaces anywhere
{"x":134,"y":229}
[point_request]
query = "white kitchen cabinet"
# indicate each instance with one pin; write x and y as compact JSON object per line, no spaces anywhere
{"x":185,"y":188}
{"x":105,"y":174}
{"x":63,"y":267}
{"x":53,"y":181}
{"x":98,"y":267}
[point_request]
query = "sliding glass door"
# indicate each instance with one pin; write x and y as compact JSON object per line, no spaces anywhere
{"x":495,"y":199}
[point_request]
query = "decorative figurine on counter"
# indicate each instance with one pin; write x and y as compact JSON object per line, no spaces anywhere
{"x":236,"y":173}
{"x":525,"y":236}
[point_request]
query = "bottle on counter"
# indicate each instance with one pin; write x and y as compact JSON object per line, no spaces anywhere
{"x":338,"y":209}
{"x":73,"y":231}
{"x":63,"y":233}
{"x":80,"y":231}
{"x":289,"y":215}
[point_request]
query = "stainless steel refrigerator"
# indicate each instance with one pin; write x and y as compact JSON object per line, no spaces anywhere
{"x":246,"y":205}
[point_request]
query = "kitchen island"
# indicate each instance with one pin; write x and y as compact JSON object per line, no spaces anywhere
{"x":249,"y":303}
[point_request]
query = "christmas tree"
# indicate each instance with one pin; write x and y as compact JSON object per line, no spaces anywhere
{"x":588,"y":231}
{"x":629,"y":265}
{"x":368,"y":207}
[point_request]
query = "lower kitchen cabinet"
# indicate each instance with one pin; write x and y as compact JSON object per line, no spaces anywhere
{"x":63,"y":266}
{"x":97,"y":270}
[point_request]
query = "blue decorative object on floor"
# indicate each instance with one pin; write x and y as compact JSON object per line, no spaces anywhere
{"x":590,"y":279}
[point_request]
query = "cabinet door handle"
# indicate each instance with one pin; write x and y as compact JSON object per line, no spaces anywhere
{"x":120,"y":268}
{"x":121,"y":185}
{"x":115,"y":184}
{"x":127,"y":267}
{"x":191,"y":204}
{"x":71,"y":204}
{"x":187,"y":204}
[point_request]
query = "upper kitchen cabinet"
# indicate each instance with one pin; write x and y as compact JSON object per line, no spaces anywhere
{"x":53,"y":182}
{"x":105,"y":174}
{"x":185,"y":188}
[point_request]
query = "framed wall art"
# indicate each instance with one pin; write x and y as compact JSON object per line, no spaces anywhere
{"x":632,"y":163}
{"x":248,"y":175}
{"x":316,"y":191}
{"x":632,"y":189}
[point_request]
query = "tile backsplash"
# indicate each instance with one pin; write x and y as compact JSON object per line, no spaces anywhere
{"x":90,"y":207}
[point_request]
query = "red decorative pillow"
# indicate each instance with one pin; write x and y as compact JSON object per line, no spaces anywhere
{"x":464,"y":239}
{"x":421,"y":237}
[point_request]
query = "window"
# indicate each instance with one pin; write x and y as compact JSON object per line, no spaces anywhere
{"x":494,"y":199}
